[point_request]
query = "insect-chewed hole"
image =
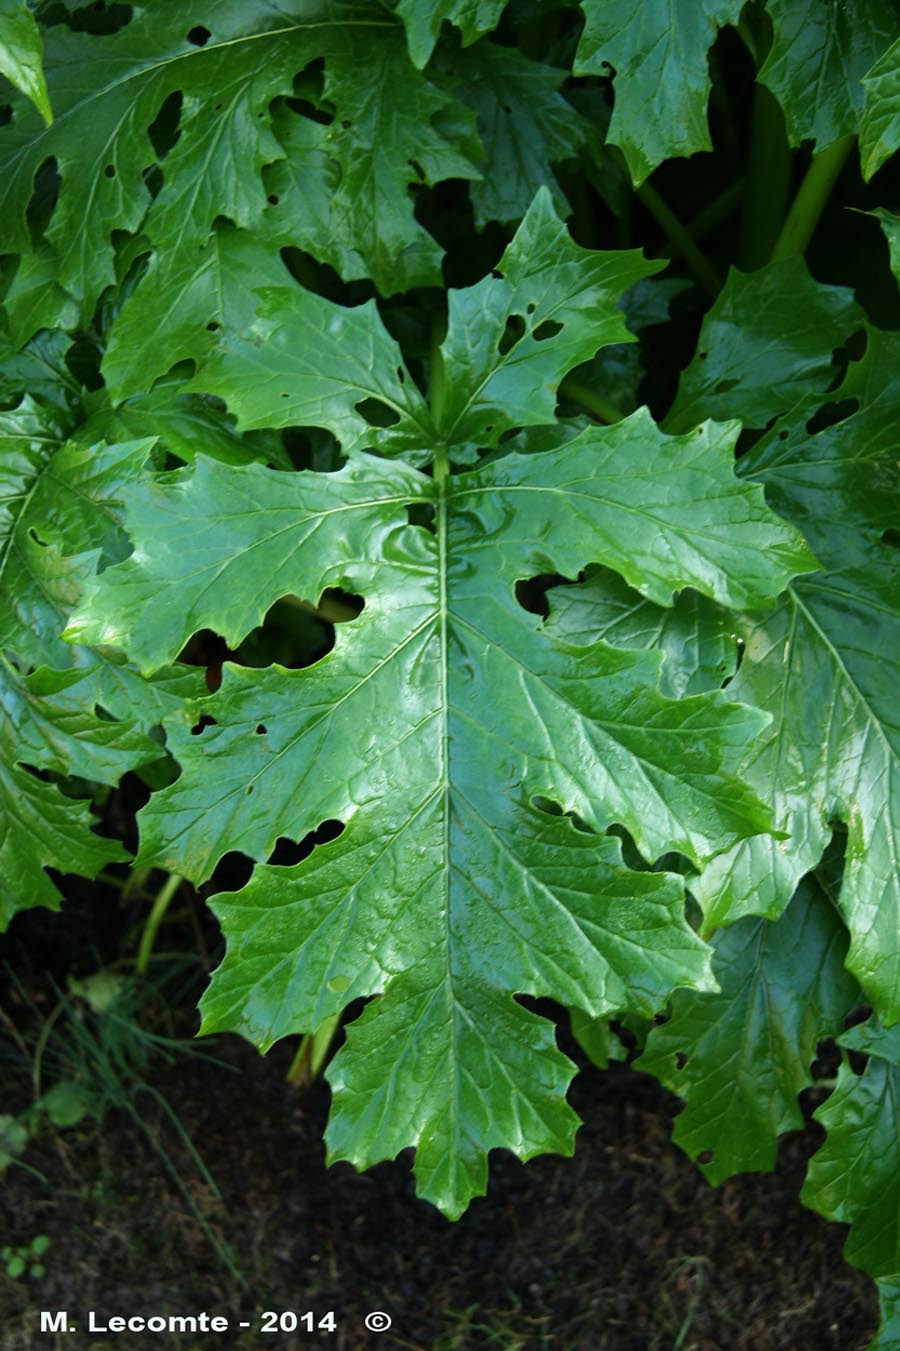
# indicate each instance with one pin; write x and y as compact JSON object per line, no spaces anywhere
{"x":293,"y":633}
{"x":100,"y":19}
{"x":891,"y":537}
{"x":513,"y":332}
{"x":312,"y":448}
{"x":377,"y":413}
{"x":548,"y":329}
{"x":680,"y":1060}
{"x":261,"y":729}
{"x":103,"y":714}
{"x":531,"y":592}
{"x":549,"y":807}
{"x":830,"y":414}
{"x":205,"y":721}
{"x":110,"y":171}
{"x":199,"y":36}
{"x":232,"y":872}
{"x":35,"y":537}
{"x":706,"y":1156}
{"x":421,"y":514}
{"x":288,"y":853}
{"x":724,"y":386}
{"x":339,"y":606}
{"x":164,"y":129}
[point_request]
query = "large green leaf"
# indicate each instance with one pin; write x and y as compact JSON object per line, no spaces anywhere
{"x":658,"y":51}
{"x":429,"y":731}
{"x":21,"y":54}
{"x":817,"y":61}
{"x":826,"y":663}
{"x":740,"y":1057}
{"x":767,"y":339}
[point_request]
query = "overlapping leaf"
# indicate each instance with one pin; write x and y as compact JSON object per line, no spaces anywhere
{"x":855,"y":1176}
{"x":658,"y":50}
{"x":825,"y":661}
{"x":303,"y":360}
{"x":740,"y":1057}
{"x":21,"y":54}
{"x":818,"y":58}
{"x":109,"y":92}
{"x":879,"y":132}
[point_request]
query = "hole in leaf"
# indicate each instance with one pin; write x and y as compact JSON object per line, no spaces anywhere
{"x":199,"y":36}
{"x":100,"y":19}
{"x":261,"y":729}
{"x":339,"y":606}
{"x":273,"y":199}
{"x":830,"y":414}
{"x":857,"y":1062}
{"x":706,"y":1156}
{"x":293,"y":633}
{"x":312,"y":448}
{"x":232,"y":872}
{"x":103,"y":714}
{"x":213,"y":326}
{"x":164,"y":129}
{"x":724,"y":386}
{"x":377,"y":413}
{"x":33,"y":535}
{"x":512,"y":333}
{"x":680,"y":1060}
{"x":47,"y":183}
{"x":205,"y":721}
{"x":530,"y":307}
{"x":421,"y":514}
{"x":531,"y":592}
{"x":417,"y":170}
{"x":110,"y":171}
{"x":288,"y":853}
{"x":5,"y":114}
{"x":251,"y":788}
{"x":891,"y":537}
{"x":703,"y":355}
{"x":548,"y":329}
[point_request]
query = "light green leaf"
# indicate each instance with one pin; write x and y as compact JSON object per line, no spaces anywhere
{"x":436,"y":789}
{"x":888,"y":1338}
{"x":740,"y":1057}
{"x":767,"y":339}
{"x":658,"y":51}
{"x":21,"y":52}
{"x":879,"y":132}
{"x":855,"y":1177}
{"x":817,"y":61}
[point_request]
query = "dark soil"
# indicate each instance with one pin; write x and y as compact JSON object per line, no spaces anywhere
{"x":623,"y":1247}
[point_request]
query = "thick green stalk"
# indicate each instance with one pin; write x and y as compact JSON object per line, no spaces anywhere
{"x":719,"y":209}
{"x":601,"y":408}
{"x":157,"y":914}
{"x":312,"y":1052}
{"x":809,"y":203}
{"x":665,"y":217}
{"x":768,"y":182}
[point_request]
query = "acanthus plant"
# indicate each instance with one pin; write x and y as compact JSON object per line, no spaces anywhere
{"x":294,"y":326}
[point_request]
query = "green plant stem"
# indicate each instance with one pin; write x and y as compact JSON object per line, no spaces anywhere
{"x":157,"y":913}
{"x":681,"y":240}
{"x":601,"y":408}
{"x":810,"y":200}
{"x":768,"y":182}
{"x":719,"y":209}
{"x":311,"y":1053}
